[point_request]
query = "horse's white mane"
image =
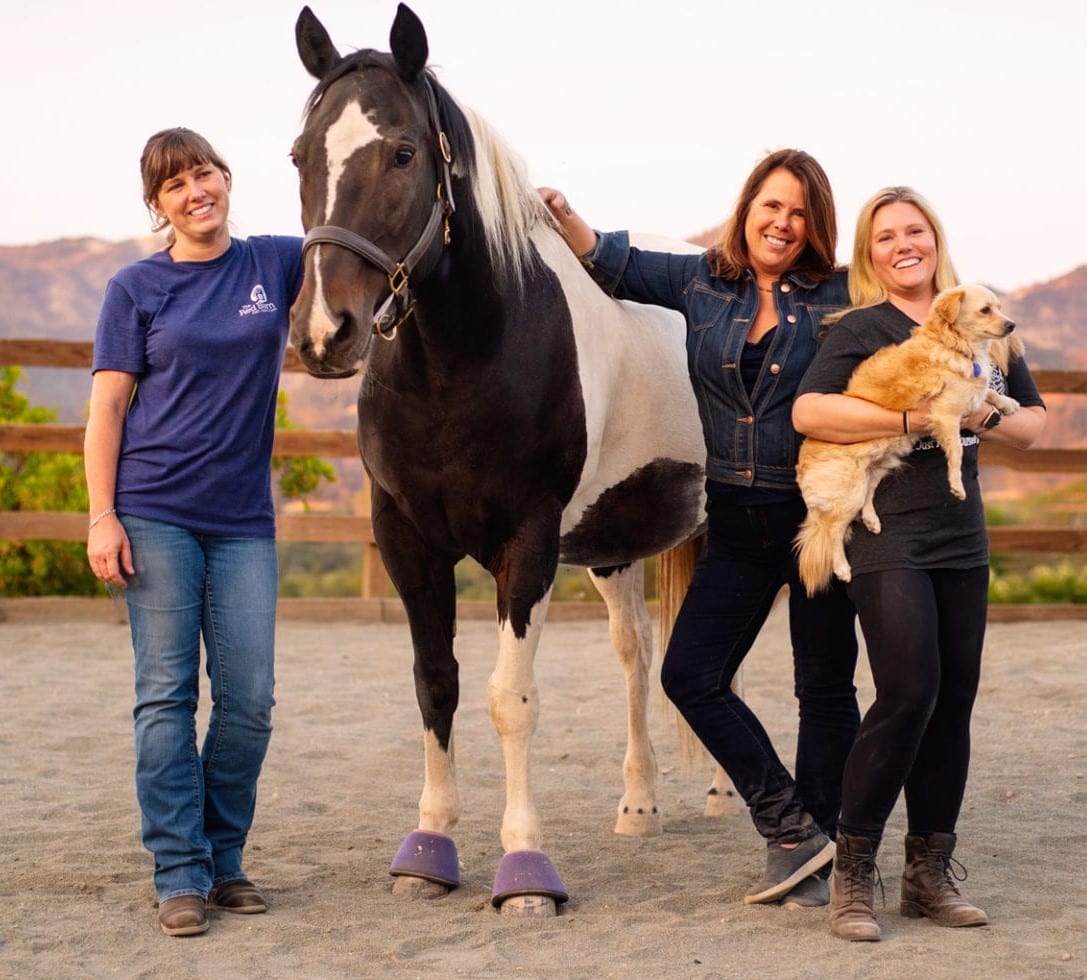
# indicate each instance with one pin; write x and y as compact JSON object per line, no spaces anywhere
{"x":506,"y":200}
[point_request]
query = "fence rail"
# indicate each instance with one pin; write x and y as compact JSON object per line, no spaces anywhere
{"x":335,"y":443}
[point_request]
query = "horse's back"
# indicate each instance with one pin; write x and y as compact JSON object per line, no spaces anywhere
{"x":641,"y":488}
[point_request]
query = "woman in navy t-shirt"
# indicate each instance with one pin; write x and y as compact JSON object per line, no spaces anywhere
{"x":178,"y":450}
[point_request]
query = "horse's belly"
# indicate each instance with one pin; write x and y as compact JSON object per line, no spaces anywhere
{"x":655,"y":508}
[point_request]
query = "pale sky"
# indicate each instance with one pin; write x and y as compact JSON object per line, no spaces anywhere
{"x":648,"y":115}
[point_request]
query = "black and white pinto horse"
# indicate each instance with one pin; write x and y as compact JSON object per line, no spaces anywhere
{"x":509,"y":410}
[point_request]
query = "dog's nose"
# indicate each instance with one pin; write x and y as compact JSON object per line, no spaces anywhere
{"x":1009,"y":326}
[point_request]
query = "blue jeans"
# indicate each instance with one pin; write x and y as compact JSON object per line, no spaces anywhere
{"x":747,"y":559}
{"x":197,"y":807}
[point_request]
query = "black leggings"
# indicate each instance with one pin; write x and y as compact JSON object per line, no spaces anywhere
{"x":924,"y":631}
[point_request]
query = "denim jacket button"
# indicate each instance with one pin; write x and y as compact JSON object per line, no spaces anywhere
{"x":747,"y":419}
{"x":785,"y":287}
{"x":775,"y":369}
{"x":746,"y":474}
{"x":791,"y":318}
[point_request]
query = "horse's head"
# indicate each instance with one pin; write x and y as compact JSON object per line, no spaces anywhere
{"x":373,"y":169}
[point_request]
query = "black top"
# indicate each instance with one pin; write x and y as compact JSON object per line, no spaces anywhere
{"x":924,"y":525}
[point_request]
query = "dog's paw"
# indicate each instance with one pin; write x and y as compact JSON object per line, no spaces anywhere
{"x":871,"y":518}
{"x":958,"y":491}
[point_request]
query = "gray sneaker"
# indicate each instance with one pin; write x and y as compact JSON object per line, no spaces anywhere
{"x":812,"y":893}
{"x":787,"y":867}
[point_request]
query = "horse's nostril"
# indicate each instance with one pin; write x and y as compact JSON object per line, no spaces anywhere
{"x":344,"y":332}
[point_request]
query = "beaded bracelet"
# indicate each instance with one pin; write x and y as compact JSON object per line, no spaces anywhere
{"x":98,"y":517}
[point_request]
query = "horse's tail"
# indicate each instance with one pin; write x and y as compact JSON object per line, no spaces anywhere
{"x":675,"y":569}
{"x":815,"y":551}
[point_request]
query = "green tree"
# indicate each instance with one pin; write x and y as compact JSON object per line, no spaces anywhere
{"x":36,"y":481}
{"x":299,"y":476}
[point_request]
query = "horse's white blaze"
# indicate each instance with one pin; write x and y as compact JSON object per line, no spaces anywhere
{"x":351,"y":132}
{"x":345,"y":137}
{"x":321,"y":324}
{"x":515,"y":710}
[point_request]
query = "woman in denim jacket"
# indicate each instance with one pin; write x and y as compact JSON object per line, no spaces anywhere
{"x":754,"y":305}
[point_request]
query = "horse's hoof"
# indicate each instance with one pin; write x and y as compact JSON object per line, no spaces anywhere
{"x":722,"y":804}
{"x":407,"y":886}
{"x":429,"y":856}
{"x":529,"y":906}
{"x":527,"y":875}
{"x":638,"y":823}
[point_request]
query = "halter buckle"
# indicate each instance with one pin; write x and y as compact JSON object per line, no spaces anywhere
{"x":398,"y":279}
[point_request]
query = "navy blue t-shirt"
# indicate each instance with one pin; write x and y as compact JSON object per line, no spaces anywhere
{"x":205,"y":341}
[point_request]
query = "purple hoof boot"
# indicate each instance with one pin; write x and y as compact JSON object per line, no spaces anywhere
{"x":527,"y":873}
{"x":429,"y":856}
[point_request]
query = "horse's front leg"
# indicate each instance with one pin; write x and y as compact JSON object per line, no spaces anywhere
{"x":623,"y":591}
{"x":426,"y":865}
{"x":526,"y":882}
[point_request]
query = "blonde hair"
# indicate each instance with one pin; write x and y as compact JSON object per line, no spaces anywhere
{"x":167,"y":153}
{"x":865,"y":289}
{"x":728,"y":257}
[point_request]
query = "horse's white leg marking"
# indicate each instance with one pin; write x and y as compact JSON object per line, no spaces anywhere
{"x":632,"y":637}
{"x":345,"y":137}
{"x":515,"y":711}
{"x":439,"y":805}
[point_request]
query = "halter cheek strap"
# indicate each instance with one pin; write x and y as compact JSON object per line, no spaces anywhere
{"x":399,"y":304}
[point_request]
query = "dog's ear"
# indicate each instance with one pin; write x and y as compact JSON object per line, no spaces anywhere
{"x":948,"y":303}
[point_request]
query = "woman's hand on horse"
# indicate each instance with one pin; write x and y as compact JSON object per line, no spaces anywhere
{"x":579,"y":236}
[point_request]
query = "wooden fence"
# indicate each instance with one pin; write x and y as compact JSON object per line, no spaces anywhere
{"x":22,"y":525}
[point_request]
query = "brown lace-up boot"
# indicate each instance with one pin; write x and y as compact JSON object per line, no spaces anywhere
{"x":852,"y":890}
{"x":928,"y":887}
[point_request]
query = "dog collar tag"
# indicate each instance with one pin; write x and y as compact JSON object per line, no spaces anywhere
{"x":977,"y":370}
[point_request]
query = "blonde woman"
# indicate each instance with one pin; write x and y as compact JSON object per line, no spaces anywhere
{"x":920,"y":586}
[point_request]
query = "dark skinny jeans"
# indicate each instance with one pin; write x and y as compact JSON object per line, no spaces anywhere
{"x":924,"y":631}
{"x":748,"y":557}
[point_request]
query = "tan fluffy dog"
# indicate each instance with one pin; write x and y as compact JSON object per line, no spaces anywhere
{"x":945,"y":359}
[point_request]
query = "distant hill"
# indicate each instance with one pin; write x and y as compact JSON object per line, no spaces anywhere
{"x":54,"y":289}
{"x":1051,"y":317}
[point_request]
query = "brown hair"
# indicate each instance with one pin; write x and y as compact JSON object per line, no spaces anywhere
{"x":169,"y":152}
{"x":728,"y":257}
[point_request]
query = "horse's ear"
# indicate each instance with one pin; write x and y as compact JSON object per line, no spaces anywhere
{"x":315,"y":47}
{"x":407,"y":41}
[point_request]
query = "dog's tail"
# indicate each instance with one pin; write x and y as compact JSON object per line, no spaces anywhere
{"x":815,"y":549}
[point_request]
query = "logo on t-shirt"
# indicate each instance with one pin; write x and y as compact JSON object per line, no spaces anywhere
{"x":258,"y":302}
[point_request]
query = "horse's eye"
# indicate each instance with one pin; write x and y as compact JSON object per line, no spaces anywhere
{"x":403,"y":156}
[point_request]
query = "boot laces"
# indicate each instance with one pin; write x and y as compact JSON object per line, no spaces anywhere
{"x":861,"y":879}
{"x":947,"y":870}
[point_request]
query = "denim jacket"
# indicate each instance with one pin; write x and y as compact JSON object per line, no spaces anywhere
{"x":750,"y":440}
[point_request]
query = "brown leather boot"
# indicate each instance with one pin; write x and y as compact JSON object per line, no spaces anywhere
{"x":852,"y":890}
{"x":928,"y":887}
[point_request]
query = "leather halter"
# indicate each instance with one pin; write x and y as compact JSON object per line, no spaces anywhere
{"x":399,"y":304}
